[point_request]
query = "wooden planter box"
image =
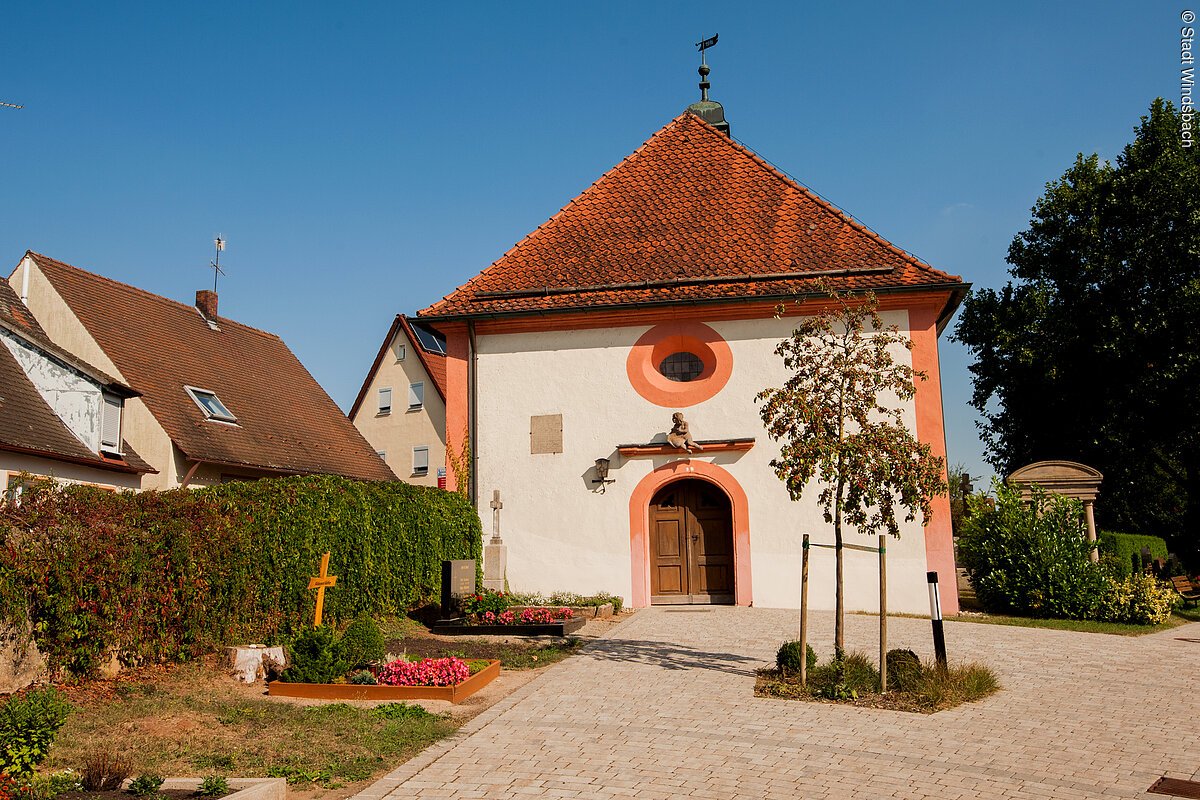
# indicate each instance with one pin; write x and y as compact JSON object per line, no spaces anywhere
{"x":585,"y":612}
{"x":458,"y":627}
{"x":353,"y":691}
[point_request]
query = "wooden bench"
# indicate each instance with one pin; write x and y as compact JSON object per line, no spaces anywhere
{"x":1189,"y":591}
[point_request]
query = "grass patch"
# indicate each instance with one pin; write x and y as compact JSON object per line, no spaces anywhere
{"x":1191,"y":614}
{"x":855,"y":681}
{"x":1079,"y":625}
{"x":193,"y":719}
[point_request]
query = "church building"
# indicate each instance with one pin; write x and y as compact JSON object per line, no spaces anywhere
{"x":651,"y":294}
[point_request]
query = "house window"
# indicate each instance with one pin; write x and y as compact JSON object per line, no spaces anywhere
{"x":210,"y":404}
{"x":420,"y":461}
{"x":398,"y":348}
{"x":681,"y":367}
{"x":382,"y":454}
{"x":110,"y":424}
{"x":385,"y":400}
{"x":416,"y":396}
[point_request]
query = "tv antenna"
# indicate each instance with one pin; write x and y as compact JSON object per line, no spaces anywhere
{"x":11,"y":105}
{"x":216,"y":262}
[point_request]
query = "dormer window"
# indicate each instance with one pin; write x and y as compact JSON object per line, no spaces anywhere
{"x":210,"y":404}
{"x":110,"y":424}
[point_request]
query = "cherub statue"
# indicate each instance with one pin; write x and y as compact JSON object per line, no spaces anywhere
{"x":680,"y":436}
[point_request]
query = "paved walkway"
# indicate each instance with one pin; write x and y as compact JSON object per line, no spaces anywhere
{"x":663,"y":708}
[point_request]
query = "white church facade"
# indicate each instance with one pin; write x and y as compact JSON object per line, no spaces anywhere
{"x":655,"y":292}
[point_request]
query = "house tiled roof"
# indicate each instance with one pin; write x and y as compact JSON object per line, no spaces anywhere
{"x":690,"y":216}
{"x":27,"y":423}
{"x":434,"y":363}
{"x":285,"y":421}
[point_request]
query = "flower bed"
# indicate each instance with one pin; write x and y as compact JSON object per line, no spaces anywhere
{"x":428,"y":679}
{"x":524,"y":616}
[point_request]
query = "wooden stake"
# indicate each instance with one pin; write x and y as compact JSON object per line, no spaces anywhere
{"x":321,"y":583}
{"x":882,"y":612}
{"x":804,"y":615}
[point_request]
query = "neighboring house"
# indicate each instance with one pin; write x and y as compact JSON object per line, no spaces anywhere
{"x":401,"y":407}
{"x":218,"y":400}
{"x":653,"y":292}
{"x":60,"y":417}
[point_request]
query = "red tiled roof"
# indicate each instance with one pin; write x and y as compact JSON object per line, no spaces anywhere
{"x":27,"y":423}
{"x":285,"y":420}
{"x":434,"y":363}
{"x":690,"y":216}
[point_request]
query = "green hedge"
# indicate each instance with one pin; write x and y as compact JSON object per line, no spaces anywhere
{"x":162,"y":576}
{"x":1125,"y":547}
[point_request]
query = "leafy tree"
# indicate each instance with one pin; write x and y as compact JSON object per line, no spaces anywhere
{"x":961,"y":487}
{"x":831,"y":417}
{"x":1092,"y":352}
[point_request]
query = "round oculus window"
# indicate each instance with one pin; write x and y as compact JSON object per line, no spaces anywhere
{"x":681,"y":367}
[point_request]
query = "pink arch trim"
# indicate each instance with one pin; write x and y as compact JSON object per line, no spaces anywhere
{"x":639,"y":525}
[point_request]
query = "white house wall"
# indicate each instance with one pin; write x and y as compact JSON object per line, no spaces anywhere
{"x":13,"y":465}
{"x":76,"y":399}
{"x":563,"y":534}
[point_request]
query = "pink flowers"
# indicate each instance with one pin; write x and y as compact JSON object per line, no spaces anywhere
{"x":535,"y":616}
{"x":426,"y":672}
{"x":530,"y":616}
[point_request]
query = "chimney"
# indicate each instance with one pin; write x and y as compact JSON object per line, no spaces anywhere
{"x":206,"y":301}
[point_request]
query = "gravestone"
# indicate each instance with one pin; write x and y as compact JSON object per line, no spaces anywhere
{"x":458,"y":580}
{"x":495,"y":553}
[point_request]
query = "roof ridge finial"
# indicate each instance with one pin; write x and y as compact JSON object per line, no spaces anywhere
{"x":708,"y":110}
{"x":704,"y":69}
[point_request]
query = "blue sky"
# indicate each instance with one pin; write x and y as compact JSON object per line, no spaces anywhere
{"x":364,"y":159}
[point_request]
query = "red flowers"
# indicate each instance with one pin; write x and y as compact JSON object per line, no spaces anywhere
{"x":426,"y":672}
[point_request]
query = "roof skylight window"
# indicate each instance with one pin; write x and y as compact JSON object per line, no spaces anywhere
{"x":210,"y":404}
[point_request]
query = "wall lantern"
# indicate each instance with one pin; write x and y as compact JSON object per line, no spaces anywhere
{"x":602,"y":473}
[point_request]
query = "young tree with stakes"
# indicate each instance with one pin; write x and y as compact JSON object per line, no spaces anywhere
{"x":831,"y":418}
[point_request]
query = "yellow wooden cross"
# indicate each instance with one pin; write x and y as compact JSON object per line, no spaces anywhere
{"x":321,"y":583}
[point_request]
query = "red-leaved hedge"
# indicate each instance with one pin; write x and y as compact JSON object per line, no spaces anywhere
{"x":166,"y":576}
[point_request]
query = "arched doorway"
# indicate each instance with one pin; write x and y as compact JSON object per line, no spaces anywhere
{"x":691,"y":544}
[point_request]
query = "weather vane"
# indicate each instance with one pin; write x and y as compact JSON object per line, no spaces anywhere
{"x":216,"y":262}
{"x":704,"y":70}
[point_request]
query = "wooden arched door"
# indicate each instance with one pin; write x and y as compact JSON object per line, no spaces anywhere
{"x":691,"y":544}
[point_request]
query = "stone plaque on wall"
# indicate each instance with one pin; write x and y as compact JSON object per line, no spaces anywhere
{"x":545,"y":434}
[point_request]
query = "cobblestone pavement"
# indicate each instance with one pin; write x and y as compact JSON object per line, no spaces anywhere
{"x":664,"y":708}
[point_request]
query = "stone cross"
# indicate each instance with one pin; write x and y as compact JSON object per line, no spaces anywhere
{"x":321,"y":583}
{"x":496,"y":506}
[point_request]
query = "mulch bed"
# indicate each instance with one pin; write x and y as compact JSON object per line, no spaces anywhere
{"x":768,"y":684}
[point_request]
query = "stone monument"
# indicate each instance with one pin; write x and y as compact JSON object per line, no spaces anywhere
{"x":495,"y":552}
{"x":1067,"y":478}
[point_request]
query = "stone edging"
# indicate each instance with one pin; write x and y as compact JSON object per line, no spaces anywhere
{"x":244,"y":788}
